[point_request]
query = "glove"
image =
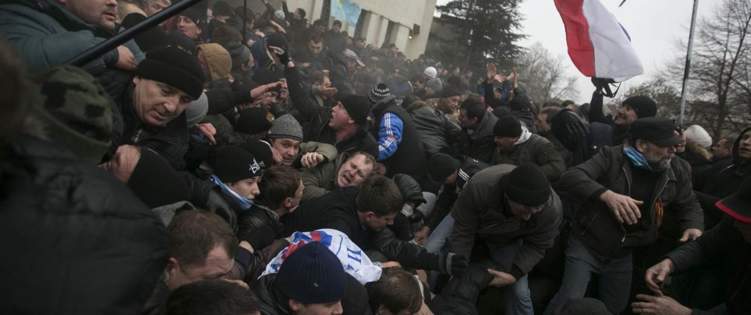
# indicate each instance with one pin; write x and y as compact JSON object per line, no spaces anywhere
{"x":453,"y":264}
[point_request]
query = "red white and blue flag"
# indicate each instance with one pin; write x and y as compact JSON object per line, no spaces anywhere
{"x":598,"y":44}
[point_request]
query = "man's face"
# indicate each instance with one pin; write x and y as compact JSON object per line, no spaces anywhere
{"x":155,"y":6}
{"x":523,"y":212}
{"x":721,"y":149}
{"x":625,"y":116}
{"x":101,"y":13}
{"x":505,"y":144}
{"x":744,"y":146}
{"x":247,"y":188}
{"x":217,"y":264}
{"x":354,"y":171}
{"x":339,"y":117}
{"x":542,"y":122}
{"x":287,"y":150}
{"x":156,"y":103}
{"x":317,"y":309}
{"x":360,"y":44}
{"x":315,"y":47}
{"x":453,"y":102}
{"x":467,"y":122}
{"x":745,"y":230}
{"x":189,"y":28}
{"x":681,"y":147}
{"x":657,"y":156}
{"x":336,"y":28}
{"x":377,"y":223}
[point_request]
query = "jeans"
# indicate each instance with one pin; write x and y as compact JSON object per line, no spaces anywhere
{"x":437,"y":239}
{"x":614,"y":283}
{"x":517,"y":297}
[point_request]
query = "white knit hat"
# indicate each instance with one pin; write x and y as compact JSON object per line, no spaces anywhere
{"x":431,"y":72}
{"x":698,"y":135}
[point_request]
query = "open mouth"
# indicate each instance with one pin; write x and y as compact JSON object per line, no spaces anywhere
{"x":110,"y":15}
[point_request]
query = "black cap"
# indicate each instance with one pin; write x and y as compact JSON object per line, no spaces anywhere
{"x":508,"y":126}
{"x":642,"y":105}
{"x":233,"y":163}
{"x":738,"y":205}
{"x":659,"y":131}
{"x":175,"y":67}
{"x":358,"y":108}
{"x":527,"y":185}
{"x":441,"y":166}
{"x":276,"y":40}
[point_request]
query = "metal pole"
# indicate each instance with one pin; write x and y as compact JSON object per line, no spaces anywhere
{"x":687,"y":68}
{"x":122,"y":37}
{"x":245,"y":20}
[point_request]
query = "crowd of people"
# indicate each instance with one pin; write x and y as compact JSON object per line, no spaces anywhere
{"x":236,"y":162}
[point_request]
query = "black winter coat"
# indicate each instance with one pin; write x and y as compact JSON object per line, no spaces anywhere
{"x":79,"y":241}
{"x":409,"y":157}
{"x":337,"y":210}
{"x":479,"y":143}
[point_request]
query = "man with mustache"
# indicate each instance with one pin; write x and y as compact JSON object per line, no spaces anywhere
{"x":630,"y":200}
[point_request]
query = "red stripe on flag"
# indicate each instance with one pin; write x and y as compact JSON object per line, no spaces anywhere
{"x":580,"y":47}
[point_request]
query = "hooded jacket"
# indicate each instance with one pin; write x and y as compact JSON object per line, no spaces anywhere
{"x":596,"y":226}
{"x":73,"y":231}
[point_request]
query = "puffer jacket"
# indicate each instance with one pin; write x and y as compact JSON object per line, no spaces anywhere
{"x":482,"y":214}
{"x":73,"y":231}
{"x":436,"y":131}
{"x":537,"y":150}
{"x":609,"y":169}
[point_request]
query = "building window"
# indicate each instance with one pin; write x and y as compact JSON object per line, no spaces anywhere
{"x":391,"y":31}
{"x":360,"y":28}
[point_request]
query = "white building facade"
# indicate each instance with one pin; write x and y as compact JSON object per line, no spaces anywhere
{"x":405,"y":23}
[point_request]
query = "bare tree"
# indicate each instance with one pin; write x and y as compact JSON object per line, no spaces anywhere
{"x":720,"y":74}
{"x":543,"y":76}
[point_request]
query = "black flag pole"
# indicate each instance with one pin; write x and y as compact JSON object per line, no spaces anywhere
{"x":122,"y":37}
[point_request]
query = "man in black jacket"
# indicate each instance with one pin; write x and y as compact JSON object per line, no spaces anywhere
{"x":728,"y":241}
{"x":477,"y":130}
{"x":399,"y":144}
{"x":629,"y":197}
{"x":364,"y":216}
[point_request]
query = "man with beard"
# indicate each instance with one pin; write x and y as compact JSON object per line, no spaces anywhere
{"x":623,"y":195}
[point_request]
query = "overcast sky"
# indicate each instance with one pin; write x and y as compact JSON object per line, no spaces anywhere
{"x":656,"y":27}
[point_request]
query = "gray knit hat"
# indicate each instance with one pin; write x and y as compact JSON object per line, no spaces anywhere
{"x":285,"y":126}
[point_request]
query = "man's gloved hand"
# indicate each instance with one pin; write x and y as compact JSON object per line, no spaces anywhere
{"x":453,"y":264}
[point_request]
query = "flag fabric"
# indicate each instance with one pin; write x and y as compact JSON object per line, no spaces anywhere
{"x":598,"y":44}
{"x":353,"y":259}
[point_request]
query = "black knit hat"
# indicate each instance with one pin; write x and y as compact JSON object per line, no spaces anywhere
{"x":358,"y":108}
{"x":527,"y":185}
{"x":175,"y":67}
{"x":276,"y":40}
{"x":312,"y":274}
{"x":659,"y":131}
{"x":261,"y":150}
{"x":378,"y":92}
{"x":233,"y":163}
{"x":253,"y":121}
{"x":507,"y":126}
{"x":642,"y":105}
{"x":738,"y":205}
{"x":155,"y":182}
{"x":441,"y":166}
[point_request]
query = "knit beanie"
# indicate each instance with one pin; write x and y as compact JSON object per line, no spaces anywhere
{"x":155,"y":182}
{"x":276,"y":40}
{"x":312,"y":275}
{"x":217,"y":59}
{"x":642,"y":105}
{"x":222,"y":8}
{"x":527,"y":185}
{"x":431,"y":72}
{"x":441,"y":166}
{"x":698,"y":135}
{"x":233,"y":163}
{"x":507,"y":126}
{"x":75,"y":111}
{"x":378,"y":92}
{"x":261,"y":150}
{"x":175,"y":67}
{"x":253,"y":121}
{"x":286,"y":126}
{"x":358,"y":108}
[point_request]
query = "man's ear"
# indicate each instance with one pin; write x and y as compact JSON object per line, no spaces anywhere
{"x":294,"y":305}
